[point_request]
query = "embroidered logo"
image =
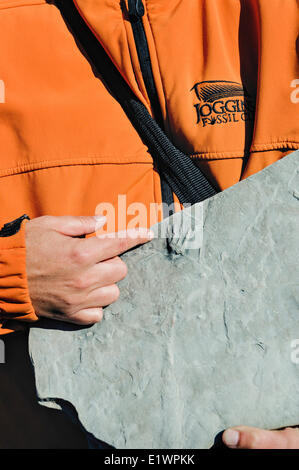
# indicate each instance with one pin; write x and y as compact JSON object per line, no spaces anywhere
{"x":222,"y":102}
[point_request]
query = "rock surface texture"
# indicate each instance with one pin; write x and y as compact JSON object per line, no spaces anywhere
{"x":200,"y":339}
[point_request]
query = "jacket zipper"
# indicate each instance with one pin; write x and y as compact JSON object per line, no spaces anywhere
{"x":136,"y":12}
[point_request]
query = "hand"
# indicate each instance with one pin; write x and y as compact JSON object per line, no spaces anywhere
{"x":71,"y":278}
{"x":243,"y":437}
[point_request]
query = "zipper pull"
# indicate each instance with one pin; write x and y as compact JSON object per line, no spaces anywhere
{"x":136,"y":9}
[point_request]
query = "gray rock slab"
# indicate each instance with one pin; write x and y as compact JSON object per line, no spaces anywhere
{"x":200,"y":339}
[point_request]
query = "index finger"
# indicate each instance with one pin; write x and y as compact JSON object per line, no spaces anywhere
{"x":104,"y":247}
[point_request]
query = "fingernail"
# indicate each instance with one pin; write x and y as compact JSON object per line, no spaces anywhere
{"x":231,"y":437}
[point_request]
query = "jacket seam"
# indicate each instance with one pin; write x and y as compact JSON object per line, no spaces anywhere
{"x":17,"y":247}
{"x":24,"y":3}
{"x":60,"y":163}
{"x":42,"y":165}
{"x":256,"y":148}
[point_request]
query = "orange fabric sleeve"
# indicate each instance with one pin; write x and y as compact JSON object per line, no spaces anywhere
{"x":15,"y":303}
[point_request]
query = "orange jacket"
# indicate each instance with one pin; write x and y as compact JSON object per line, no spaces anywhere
{"x":224,"y":72}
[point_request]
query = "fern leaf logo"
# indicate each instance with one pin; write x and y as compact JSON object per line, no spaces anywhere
{"x":214,"y":90}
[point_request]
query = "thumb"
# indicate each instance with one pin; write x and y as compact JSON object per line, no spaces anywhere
{"x":80,"y":225}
